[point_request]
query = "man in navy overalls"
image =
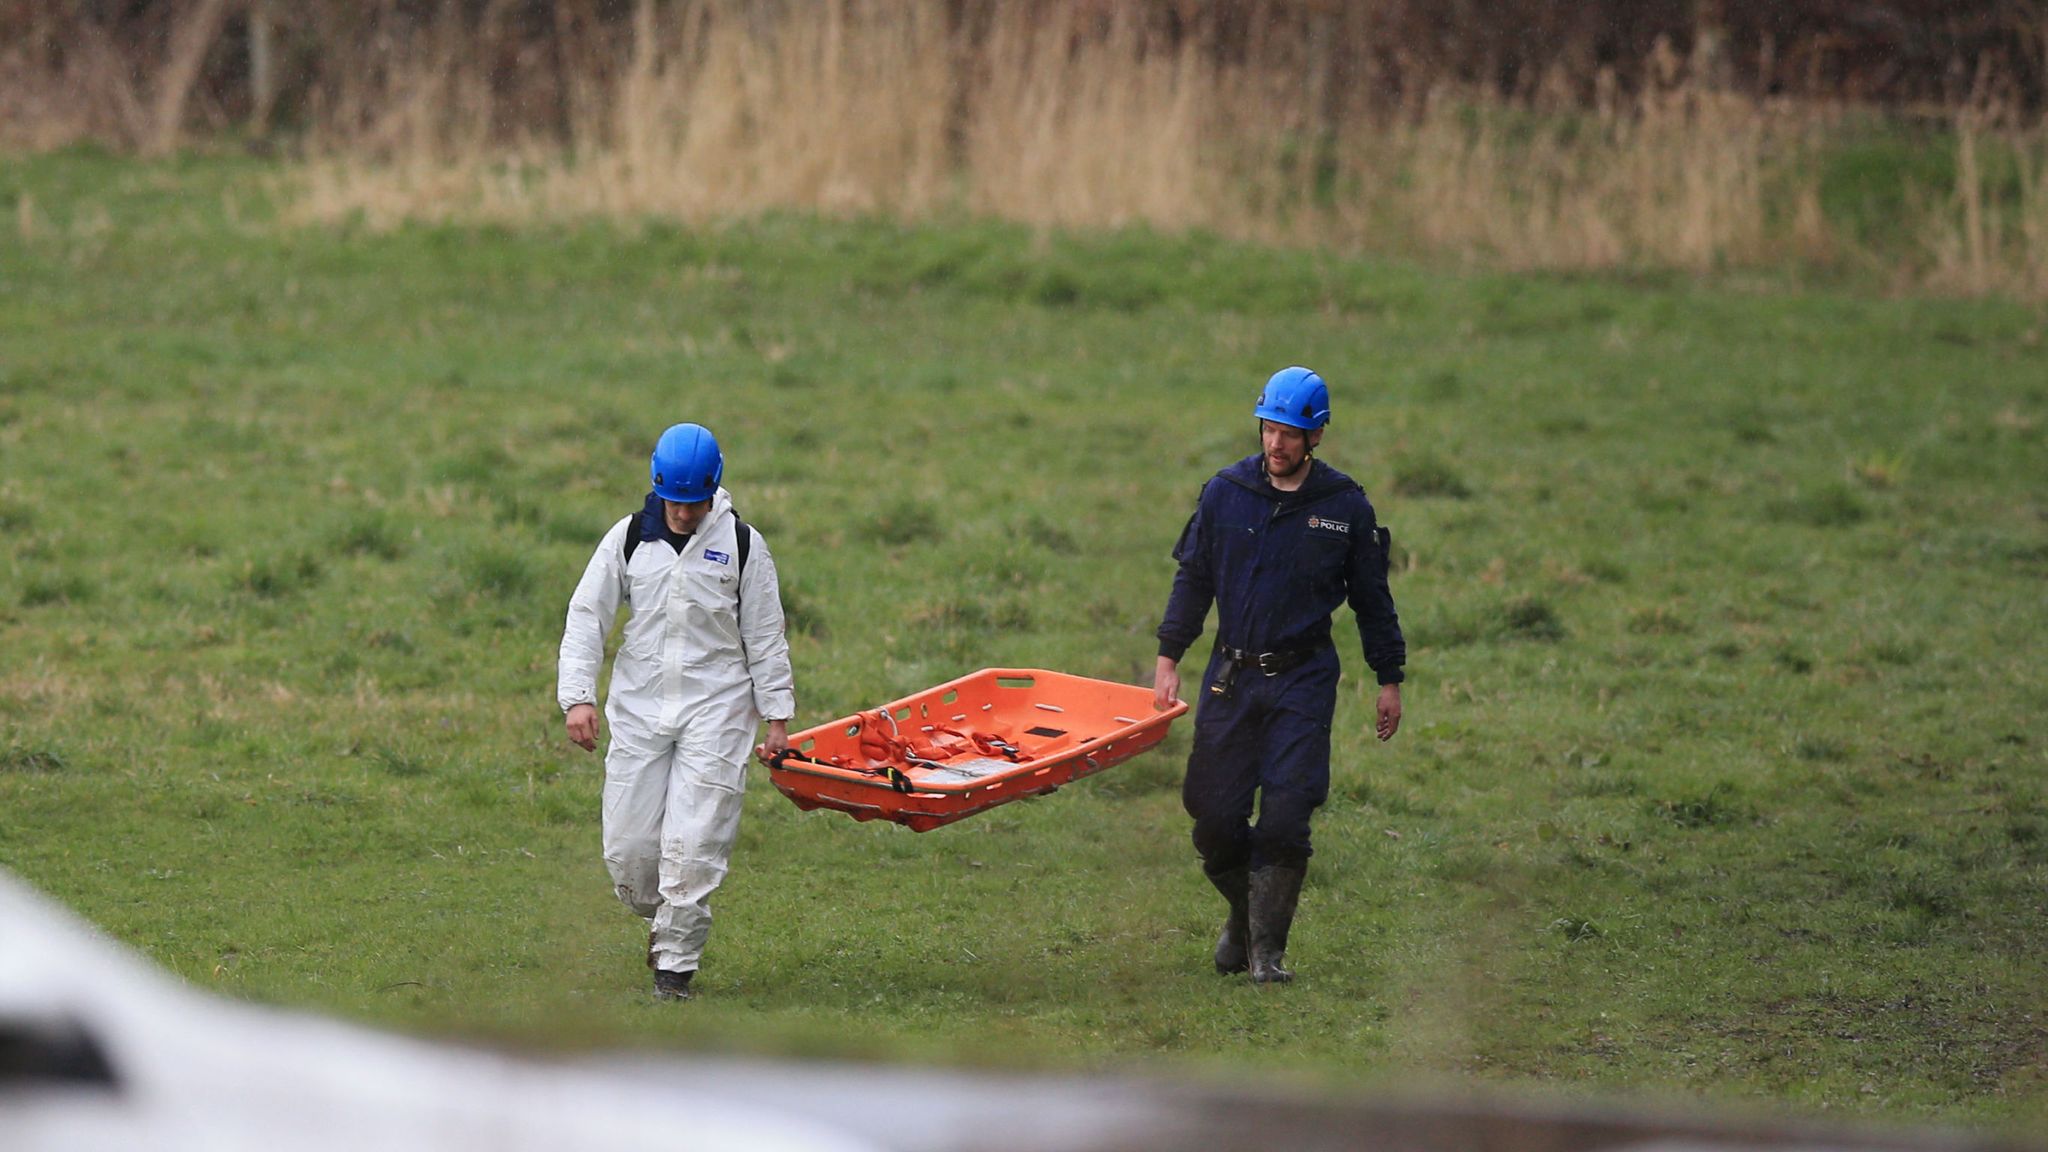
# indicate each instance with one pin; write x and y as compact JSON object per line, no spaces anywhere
{"x":1276,"y":542}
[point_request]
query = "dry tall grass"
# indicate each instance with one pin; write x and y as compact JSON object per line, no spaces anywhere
{"x":1088,"y":114}
{"x":1981,"y":241}
{"x":1068,"y":128}
{"x":1681,"y":176}
{"x":706,"y":117}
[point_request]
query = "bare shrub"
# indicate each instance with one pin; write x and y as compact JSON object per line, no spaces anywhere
{"x":60,"y":84}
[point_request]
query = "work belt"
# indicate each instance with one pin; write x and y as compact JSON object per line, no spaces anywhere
{"x":1269,"y":663}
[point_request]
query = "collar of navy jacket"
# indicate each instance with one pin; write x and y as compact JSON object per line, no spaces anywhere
{"x":654,"y":524}
{"x":1322,"y":481}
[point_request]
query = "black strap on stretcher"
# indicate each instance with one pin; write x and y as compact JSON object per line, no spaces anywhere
{"x":896,"y":777}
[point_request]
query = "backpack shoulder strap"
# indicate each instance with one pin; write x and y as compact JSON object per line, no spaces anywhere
{"x":632,"y":537}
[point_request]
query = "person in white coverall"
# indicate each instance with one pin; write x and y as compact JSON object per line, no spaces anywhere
{"x":702,"y":662}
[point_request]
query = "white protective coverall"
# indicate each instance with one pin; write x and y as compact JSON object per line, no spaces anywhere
{"x":702,"y":662}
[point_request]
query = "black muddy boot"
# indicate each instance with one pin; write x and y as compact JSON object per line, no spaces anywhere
{"x":1232,"y":947}
{"x":1274,"y":893}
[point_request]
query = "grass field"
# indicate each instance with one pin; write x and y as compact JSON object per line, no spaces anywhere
{"x":1721,"y":777}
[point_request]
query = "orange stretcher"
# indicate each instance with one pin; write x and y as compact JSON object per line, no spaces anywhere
{"x":988,"y":738}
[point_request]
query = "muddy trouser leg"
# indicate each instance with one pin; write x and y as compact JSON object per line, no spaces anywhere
{"x":1294,"y":774}
{"x":636,"y":785}
{"x":703,"y":820}
{"x":1294,"y":782}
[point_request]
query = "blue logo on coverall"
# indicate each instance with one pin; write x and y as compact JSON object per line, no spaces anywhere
{"x":720,"y":557}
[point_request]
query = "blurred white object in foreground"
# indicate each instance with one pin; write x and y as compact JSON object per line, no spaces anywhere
{"x":100,"y":1050}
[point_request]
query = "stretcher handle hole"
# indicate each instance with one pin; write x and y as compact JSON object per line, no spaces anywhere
{"x":1016,"y":681}
{"x":949,"y":697}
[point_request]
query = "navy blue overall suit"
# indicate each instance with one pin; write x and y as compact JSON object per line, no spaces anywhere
{"x":1276,"y":565}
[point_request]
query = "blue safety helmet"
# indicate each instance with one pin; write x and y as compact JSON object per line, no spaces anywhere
{"x":1295,"y":397}
{"x":686,"y":464}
